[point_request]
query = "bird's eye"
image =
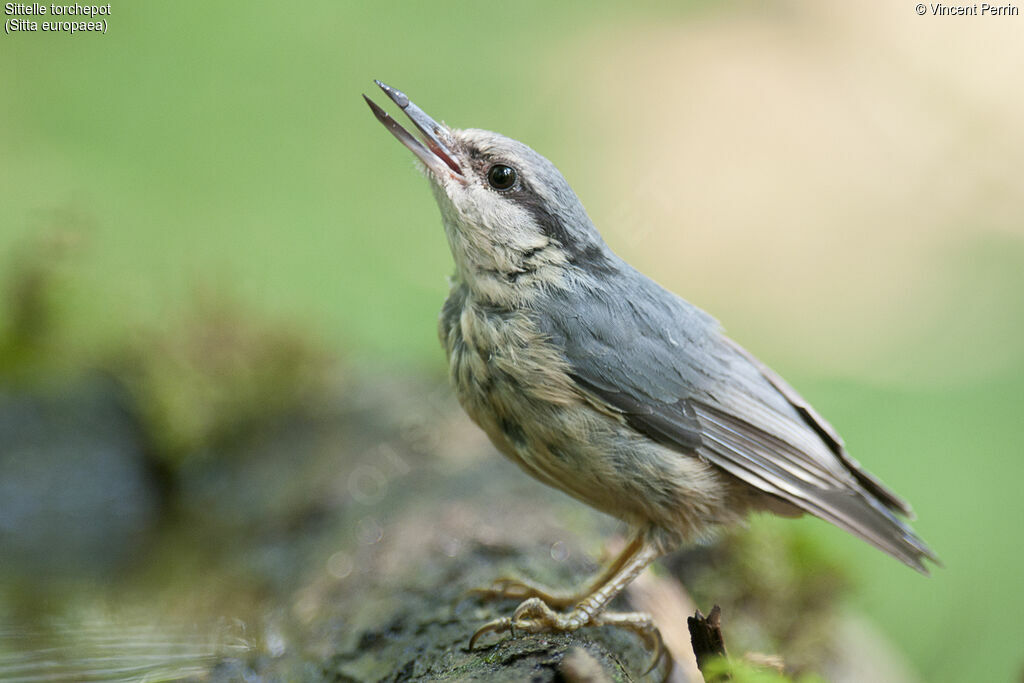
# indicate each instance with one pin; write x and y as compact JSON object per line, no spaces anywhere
{"x":501,"y":177}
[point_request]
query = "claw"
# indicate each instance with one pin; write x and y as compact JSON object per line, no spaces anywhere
{"x":641,"y":625}
{"x":659,"y":652}
{"x":533,"y":615}
{"x":496,"y":626}
{"x":509,"y":588}
{"x":653,"y":641}
{"x":497,"y":590}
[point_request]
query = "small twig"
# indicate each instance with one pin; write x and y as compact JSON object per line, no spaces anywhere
{"x":706,"y":635}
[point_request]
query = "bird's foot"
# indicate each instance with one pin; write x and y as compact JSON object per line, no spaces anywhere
{"x":535,"y":616}
{"x":511,"y":588}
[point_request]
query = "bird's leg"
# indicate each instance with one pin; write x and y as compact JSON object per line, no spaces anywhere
{"x":507,"y":587}
{"x":535,"y":616}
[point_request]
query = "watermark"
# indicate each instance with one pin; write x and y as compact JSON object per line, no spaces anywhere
{"x":39,"y":17}
{"x":939,"y":9}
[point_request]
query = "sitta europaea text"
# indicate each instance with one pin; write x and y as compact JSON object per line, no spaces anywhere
{"x":599,"y":382}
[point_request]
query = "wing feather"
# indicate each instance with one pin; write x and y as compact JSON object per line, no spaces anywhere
{"x":668,"y":369}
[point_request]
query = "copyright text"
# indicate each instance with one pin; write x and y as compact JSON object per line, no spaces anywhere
{"x":938,"y":9}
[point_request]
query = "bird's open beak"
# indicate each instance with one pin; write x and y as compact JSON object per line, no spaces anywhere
{"x":436,"y":155}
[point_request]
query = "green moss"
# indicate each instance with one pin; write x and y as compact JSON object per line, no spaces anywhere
{"x":216,"y":374}
{"x":216,"y":371}
{"x":738,"y":671}
{"x":778,"y":591}
{"x":33,"y":345}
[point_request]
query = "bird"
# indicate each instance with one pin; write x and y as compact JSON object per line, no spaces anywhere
{"x":599,"y":382}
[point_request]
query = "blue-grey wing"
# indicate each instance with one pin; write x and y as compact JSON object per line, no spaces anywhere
{"x":666,"y":366}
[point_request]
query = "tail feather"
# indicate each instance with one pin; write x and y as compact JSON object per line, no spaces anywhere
{"x":774,"y":466}
{"x":862,"y":515}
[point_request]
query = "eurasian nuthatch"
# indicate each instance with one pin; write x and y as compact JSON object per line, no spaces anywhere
{"x":597,"y":381}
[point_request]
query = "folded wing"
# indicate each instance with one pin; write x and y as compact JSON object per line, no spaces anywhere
{"x":668,"y":369}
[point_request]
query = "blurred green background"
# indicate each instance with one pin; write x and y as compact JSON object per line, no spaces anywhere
{"x":839,"y":184}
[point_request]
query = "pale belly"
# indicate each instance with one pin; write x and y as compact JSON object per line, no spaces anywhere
{"x":517,"y":388}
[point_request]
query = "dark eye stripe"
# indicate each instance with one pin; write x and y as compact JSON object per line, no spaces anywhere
{"x":553,"y":226}
{"x":549,"y":224}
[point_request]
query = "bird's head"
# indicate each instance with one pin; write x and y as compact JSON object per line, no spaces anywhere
{"x":512,"y":221}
